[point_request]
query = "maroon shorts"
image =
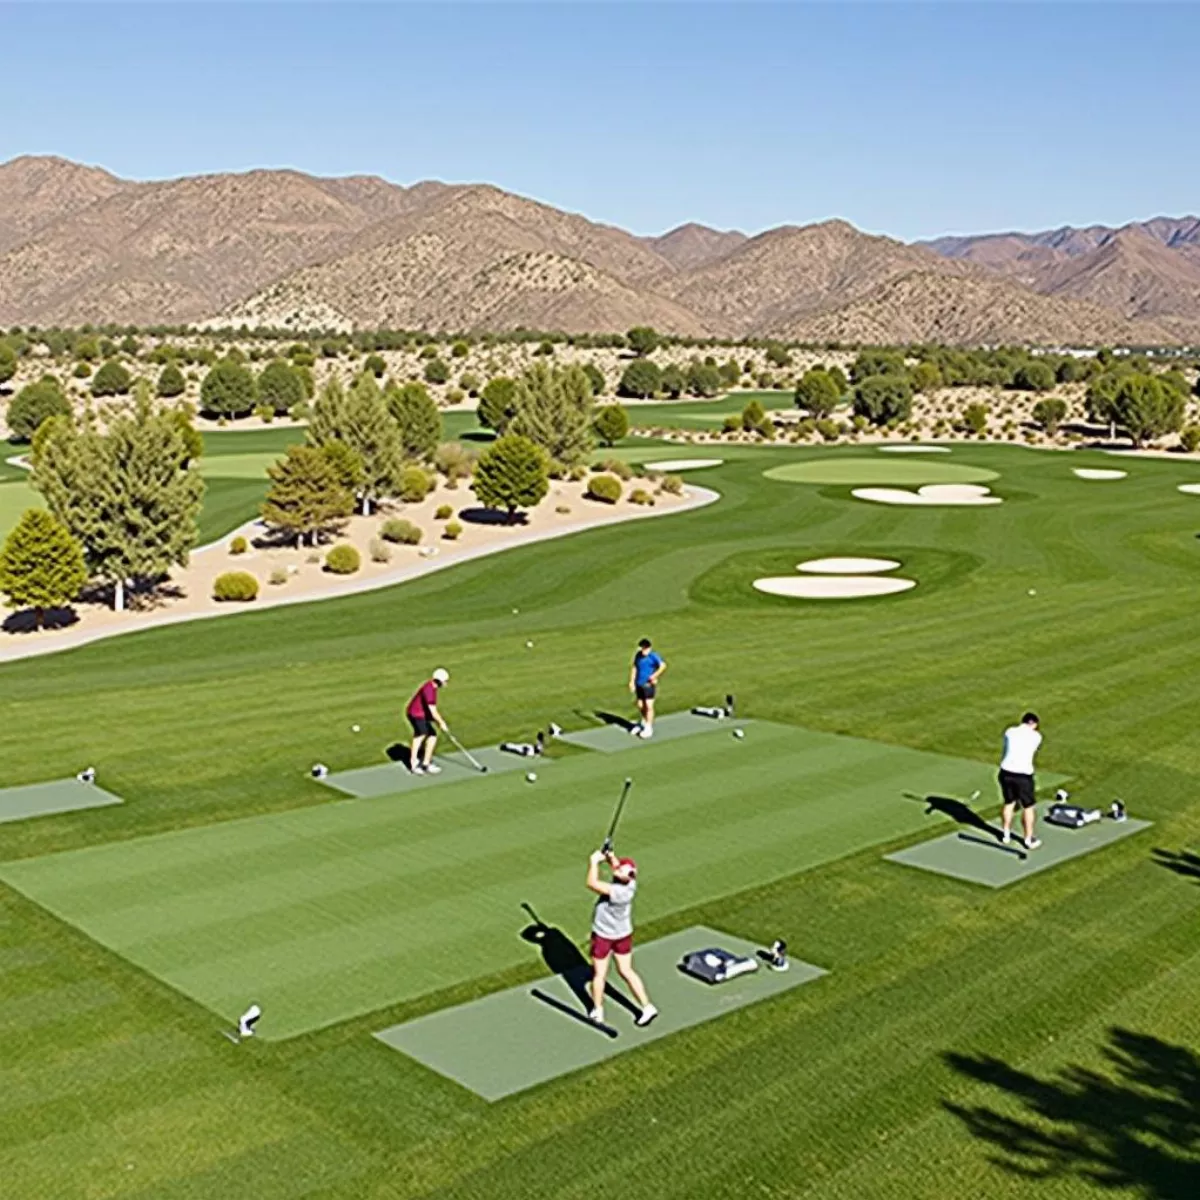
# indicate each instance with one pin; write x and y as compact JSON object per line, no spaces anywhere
{"x":602,"y":947}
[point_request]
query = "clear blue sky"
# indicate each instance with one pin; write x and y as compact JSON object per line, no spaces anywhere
{"x":912,"y":120}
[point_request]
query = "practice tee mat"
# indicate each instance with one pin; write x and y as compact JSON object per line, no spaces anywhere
{"x":978,"y":857}
{"x":610,"y":738}
{"x":524,"y":1036}
{"x":57,"y":796}
{"x":386,"y":779}
{"x":335,"y":910}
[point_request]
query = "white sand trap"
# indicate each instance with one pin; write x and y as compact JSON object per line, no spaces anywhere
{"x":832,"y":587}
{"x":1098,"y":473}
{"x":915,"y":449}
{"x":946,"y":494}
{"x":847,"y":566}
{"x":1192,"y":489}
{"x":684,"y":464}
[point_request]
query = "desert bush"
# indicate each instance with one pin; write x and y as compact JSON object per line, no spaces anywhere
{"x":640,"y":496}
{"x":239,"y":545}
{"x":265,"y":413}
{"x":235,"y":586}
{"x":1189,"y":439}
{"x":111,"y":379}
{"x":436,"y":371}
{"x":170,"y":381}
{"x":562,"y":509}
{"x":617,"y":467}
{"x":974,"y":418}
{"x":455,"y":396}
{"x":444,"y":512}
{"x":605,"y":488}
{"x":611,"y":424}
{"x":343,"y":559}
{"x":732,"y":423}
{"x":452,"y":531}
{"x":415,"y":485}
{"x":828,"y":429}
{"x":671,"y":484}
{"x":380,"y":551}
{"x":403,"y":532}
{"x":33,"y":404}
{"x":470,"y":383}
{"x":460,"y":349}
{"x":577,"y":473}
{"x":1049,"y":414}
{"x":278,"y":576}
{"x":375,"y":364}
{"x":82,"y":370}
{"x":454,"y":461}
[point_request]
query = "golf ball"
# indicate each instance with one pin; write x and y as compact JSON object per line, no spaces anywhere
{"x":531,"y":777}
{"x":515,"y":611}
{"x":356,"y":729}
{"x":739,"y":733}
{"x":528,"y":645}
{"x":1033,"y":591}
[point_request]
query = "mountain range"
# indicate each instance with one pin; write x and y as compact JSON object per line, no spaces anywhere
{"x":281,"y":248}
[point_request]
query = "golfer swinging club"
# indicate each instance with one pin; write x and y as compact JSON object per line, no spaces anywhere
{"x":644,"y":675}
{"x":1021,"y":743}
{"x":423,"y":716}
{"x":612,"y":933}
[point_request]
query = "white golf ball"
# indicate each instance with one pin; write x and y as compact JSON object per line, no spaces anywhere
{"x":528,"y":645}
{"x":515,"y":611}
{"x":531,"y":777}
{"x":356,"y":729}
{"x":1033,"y":591}
{"x":739,"y":733}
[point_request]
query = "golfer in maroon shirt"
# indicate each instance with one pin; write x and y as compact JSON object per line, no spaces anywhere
{"x":425,"y":720}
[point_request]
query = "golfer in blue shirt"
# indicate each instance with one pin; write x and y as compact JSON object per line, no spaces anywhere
{"x":643,"y":683}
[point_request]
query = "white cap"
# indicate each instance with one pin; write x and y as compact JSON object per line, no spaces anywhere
{"x":441,"y":675}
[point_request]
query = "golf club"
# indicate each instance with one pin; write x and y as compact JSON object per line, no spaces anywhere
{"x":612,"y":829}
{"x":467,"y":754}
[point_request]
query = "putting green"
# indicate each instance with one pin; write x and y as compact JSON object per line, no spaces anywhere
{"x":328,"y":912}
{"x":978,"y":857}
{"x":856,"y":472}
{"x":237,"y":466}
{"x":56,"y":796}
{"x":513,"y":1040}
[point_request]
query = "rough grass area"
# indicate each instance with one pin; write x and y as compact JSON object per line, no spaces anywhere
{"x":1030,"y":1042}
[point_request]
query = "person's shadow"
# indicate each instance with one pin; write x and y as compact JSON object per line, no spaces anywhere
{"x":569,"y":963}
{"x":398,"y":752}
{"x":958,"y":811}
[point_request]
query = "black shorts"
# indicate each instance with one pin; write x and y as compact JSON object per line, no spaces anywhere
{"x":422,"y":726}
{"x":1017,"y":789}
{"x":645,"y":691}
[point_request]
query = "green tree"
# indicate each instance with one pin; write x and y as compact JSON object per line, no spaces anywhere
{"x":347,"y":465}
{"x":111,"y":379}
{"x":703,"y":378}
{"x":672,"y":381}
{"x":171,"y":382}
{"x":778,"y":355}
{"x":460,"y":349}
{"x":926,"y":377}
{"x":596,"y":378}
{"x":817,"y":393}
{"x":417,"y":418}
{"x":553,"y":409}
{"x":642,"y":340}
{"x":729,"y":372}
{"x":306,"y":497}
{"x":641,"y":378}
{"x":436,"y":371}
{"x":512,"y":473}
{"x":1034,"y":376}
{"x":496,"y":403}
{"x":88,"y":349}
{"x":41,"y":564}
{"x":229,"y":390}
{"x":189,"y":435}
{"x":1102,"y":399}
{"x":883,"y":399}
{"x":33,"y":404}
{"x":753,"y":415}
{"x":8,"y":362}
{"x":839,"y":380}
{"x":280,"y":387}
{"x":877,"y":362}
{"x":359,"y":417}
{"x":375,"y":364}
{"x":1050,"y":413}
{"x":974,"y":418}
{"x":1146,"y":409}
{"x":612,"y":424}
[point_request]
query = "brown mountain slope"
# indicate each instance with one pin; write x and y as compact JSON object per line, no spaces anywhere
{"x":35,"y":192}
{"x":780,"y":276}
{"x":691,"y":246}
{"x":930,"y":306}
{"x":181,"y":250}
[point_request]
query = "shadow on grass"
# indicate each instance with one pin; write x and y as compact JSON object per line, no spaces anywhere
{"x":958,"y":811}
{"x":1182,"y":862}
{"x":1134,"y":1125}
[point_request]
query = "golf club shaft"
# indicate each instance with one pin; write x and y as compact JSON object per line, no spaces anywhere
{"x":612,"y":829}
{"x":469,"y":756}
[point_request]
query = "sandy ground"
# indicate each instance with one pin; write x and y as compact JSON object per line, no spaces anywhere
{"x":832,"y":587}
{"x":1192,"y":489}
{"x":916,"y":449}
{"x":188,"y":594}
{"x":847,"y":566}
{"x":683,"y":464}
{"x":957,"y":494}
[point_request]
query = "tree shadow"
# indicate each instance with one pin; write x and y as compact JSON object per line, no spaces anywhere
{"x":958,"y":811}
{"x":25,"y":620}
{"x":1133,"y":1125}
{"x":492,"y":516}
{"x":1182,"y":862}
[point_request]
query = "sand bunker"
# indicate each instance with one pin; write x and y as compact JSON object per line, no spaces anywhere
{"x":832,"y":587}
{"x":915,"y":449}
{"x":943,"y":494}
{"x":847,"y":566}
{"x":1098,"y":473}
{"x":683,"y":464}
{"x":1192,"y":489}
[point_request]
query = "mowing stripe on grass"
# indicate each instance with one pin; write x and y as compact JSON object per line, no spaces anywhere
{"x":56,"y":796}
{"x":516,"y":1039}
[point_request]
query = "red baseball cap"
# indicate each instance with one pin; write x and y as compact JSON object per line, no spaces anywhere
{"x":628,"y":865}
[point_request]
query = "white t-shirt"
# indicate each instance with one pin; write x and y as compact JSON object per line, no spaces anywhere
{"x":1020,"y":745}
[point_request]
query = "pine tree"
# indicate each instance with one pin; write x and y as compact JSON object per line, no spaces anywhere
{"x":41,"y":565}
{"x":553,"y":409}
{"x":417,"y":418}
{"x":496,"y":403}
{"x":512,"y":474}
{"x":306,"y":496}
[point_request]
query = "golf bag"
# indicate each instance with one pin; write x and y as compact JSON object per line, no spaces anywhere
{"x":525,"y":749}
{"x":703,"y":710}
{"x":1071,"y":816}
{"x":716,"y":965}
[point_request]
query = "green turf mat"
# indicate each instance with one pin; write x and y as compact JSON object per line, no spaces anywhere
{"x":612,"y":737}
{"x":516,"y":1039}
{"x":977,"y":857}
{"x":333,"y":911}
{"x":57,"y":796}
{"x":387,"y":779}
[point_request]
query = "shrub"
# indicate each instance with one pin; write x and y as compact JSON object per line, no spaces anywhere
{"x":170,"y":382}
{"x":611,"y":424}
{"x":403,"y":532}
{"x":454,"y":461}
{"x":381,"y":552}
{"x":436,"y":371}
{"x":671,"y":484}
{"x":343,"y":559}
{"x":1189,"y":439}
{"x":828,"y":429}
{"x":33,"y":404}
{"x":641,"y":378}
{"x":617,"y":467}
{"x":239,"y":545}
{"x":1049,"y":414}
{"x":562,"y":509}
{"x":459,"y":350}
{"x":228,"y":390}
{"x":235,"y":586}
{"x":640,"y":496}
{"x":455,"y":396}
{"x":470,"y":383}
{"x":453,"y":531}
{"x":732,"y":423}
{"x":444,"y":512}
{"x":974,"y":418}
{"x":605,"y":488}
{"x":375,"y":364}
{"x":278,"y":576}
{"x":415,"y":485}
{"x":82,"y":370}
{"x":265,"y":413}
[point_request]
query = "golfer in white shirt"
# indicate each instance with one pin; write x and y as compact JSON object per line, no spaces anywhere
{"x":1021,"y":743}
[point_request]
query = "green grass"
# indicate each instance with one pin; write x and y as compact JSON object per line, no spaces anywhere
{"x":704,"y":414}
{"x":952,"y":1012}
{"x":15,"y":497}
